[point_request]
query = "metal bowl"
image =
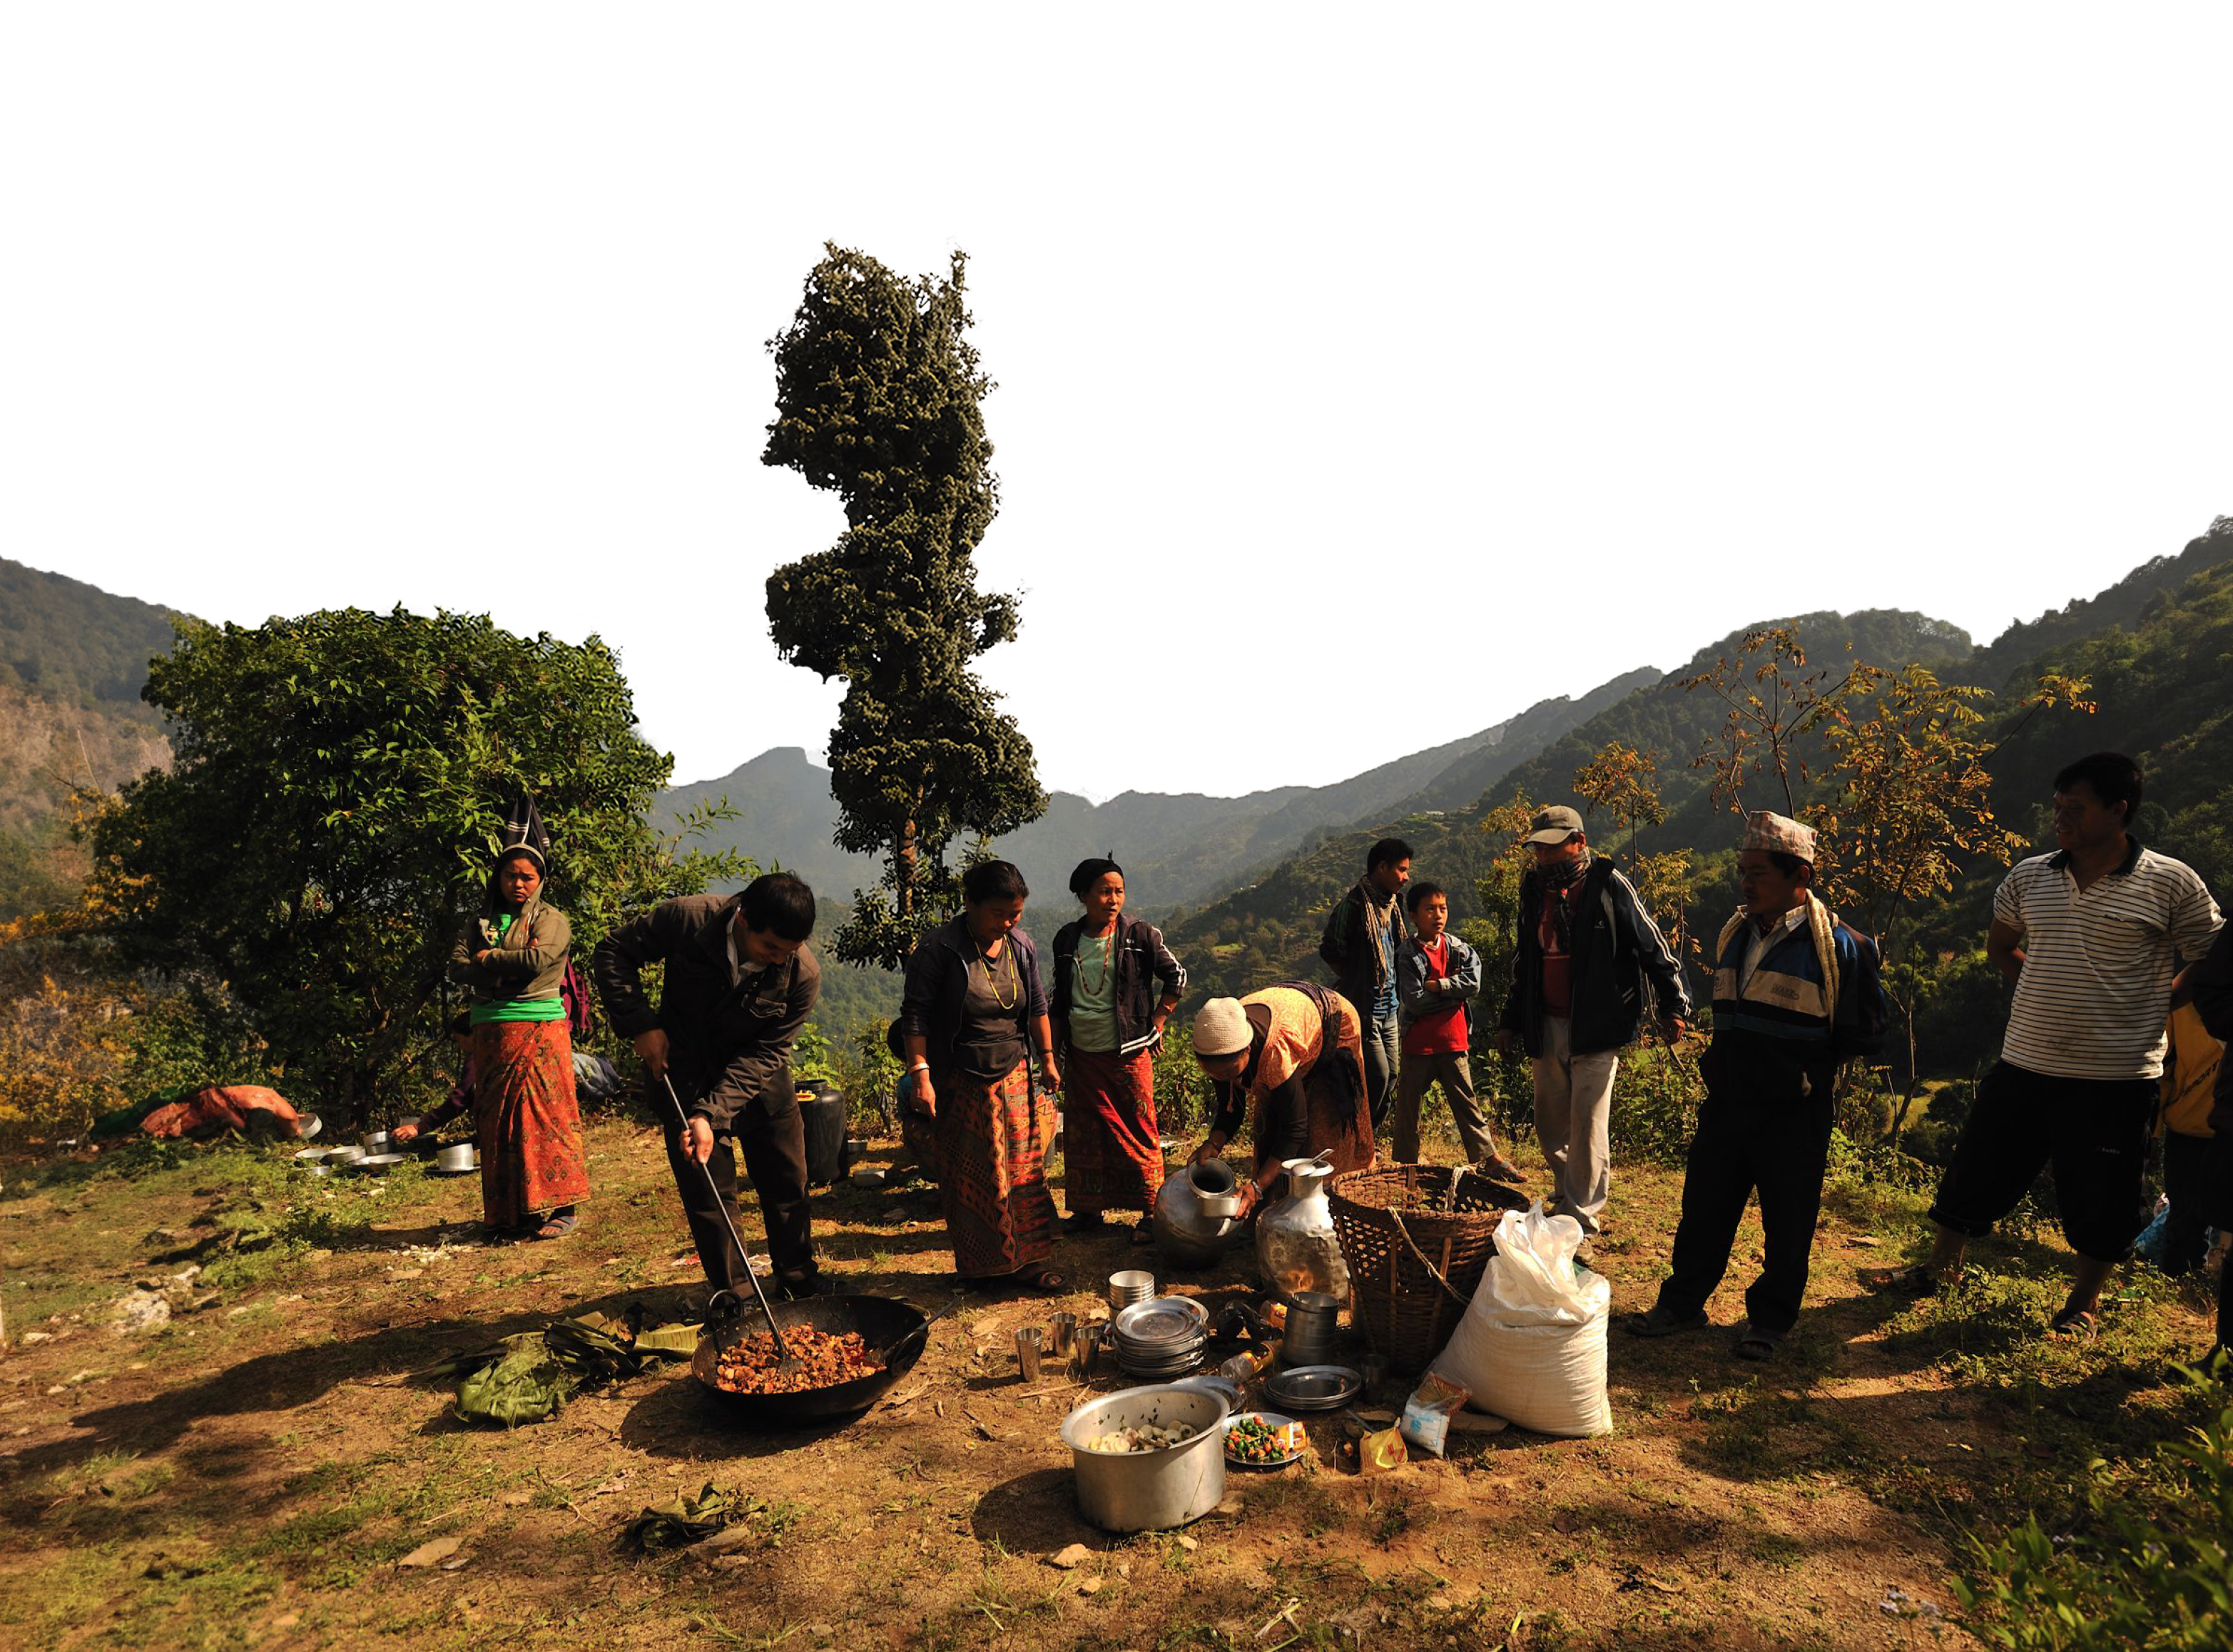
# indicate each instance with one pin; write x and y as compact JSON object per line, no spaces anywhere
{"x":378,"y":1141}
{"x":459,"y":1159}
{"x":340,"y":1158}
{"x":310,"y":1156}
{"x":1315,"y":1387}
{"x":375,"y":1164}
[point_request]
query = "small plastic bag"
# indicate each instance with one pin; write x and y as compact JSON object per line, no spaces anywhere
{"x":1426,"y":1414}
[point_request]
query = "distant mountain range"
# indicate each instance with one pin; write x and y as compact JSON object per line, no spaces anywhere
{"x":1177,"y":847}
{"x":2155,"y":645}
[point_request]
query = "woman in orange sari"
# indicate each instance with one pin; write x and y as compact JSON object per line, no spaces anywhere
{"x":533,"y":1171}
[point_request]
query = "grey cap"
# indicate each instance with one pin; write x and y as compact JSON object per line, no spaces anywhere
{"x":1553,"y":825}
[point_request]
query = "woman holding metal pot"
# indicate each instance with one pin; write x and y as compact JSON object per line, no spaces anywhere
{"x":1290,"y":1060}
{"x":978,"y":1048}
{"x":512,"y":959}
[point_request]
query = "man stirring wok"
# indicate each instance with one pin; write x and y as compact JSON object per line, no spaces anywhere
{"x":740,"y":982}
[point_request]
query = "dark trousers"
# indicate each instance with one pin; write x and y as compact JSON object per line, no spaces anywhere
{"x":1383,"y":1046}
{"x":774,"y":1139}
{"x":2186,"y":1180}
{"x":2216,"y":1195}
{"x":1779,"y":1151}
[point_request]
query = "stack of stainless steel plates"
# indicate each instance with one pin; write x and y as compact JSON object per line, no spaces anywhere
{"x":1161,"y":1337}
{"x":1314,"y":1387}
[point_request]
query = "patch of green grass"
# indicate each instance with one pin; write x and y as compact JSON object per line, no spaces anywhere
{"x":1776,"y":1549}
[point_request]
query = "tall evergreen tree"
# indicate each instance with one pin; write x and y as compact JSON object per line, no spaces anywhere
{"x":877,"y":389}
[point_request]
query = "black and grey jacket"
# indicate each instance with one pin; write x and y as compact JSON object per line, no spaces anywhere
{"x":1618,"y":958}
{"x":1147,"y":974}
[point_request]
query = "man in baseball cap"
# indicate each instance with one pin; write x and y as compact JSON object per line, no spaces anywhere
{"x":1585,"y":942}
{"x":1554,"y":826}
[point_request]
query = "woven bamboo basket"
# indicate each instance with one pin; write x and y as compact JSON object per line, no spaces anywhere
{"x":1416,"y":1238}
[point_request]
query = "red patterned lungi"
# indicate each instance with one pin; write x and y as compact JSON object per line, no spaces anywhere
{"x":994,"y":1139}
{"x":525,"y":1117}
{"x":1112,"y":1152}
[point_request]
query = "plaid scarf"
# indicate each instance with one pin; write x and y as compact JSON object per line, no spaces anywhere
{"x":1558,"y":882}
{"x":1380,"y":919}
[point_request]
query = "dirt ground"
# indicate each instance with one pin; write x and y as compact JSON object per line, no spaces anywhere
{"x":250,"y":1472}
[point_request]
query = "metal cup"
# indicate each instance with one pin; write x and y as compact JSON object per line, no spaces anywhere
{"x":1062,"y":1328}
{"x":1027,"y":1352}
{"x":1086,"y":1347}
{"x":1134,"y":1285}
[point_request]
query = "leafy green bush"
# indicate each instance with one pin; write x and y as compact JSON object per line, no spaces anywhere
{"x":327,"y":828}
{"x":192,"y":1037}
{"x":862,"y":1066}
{"x":2143,"y":1568}
{"x":1655,"y":1104}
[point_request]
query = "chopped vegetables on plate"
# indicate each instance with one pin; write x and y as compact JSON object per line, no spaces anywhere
{"x":1251,"y":1440}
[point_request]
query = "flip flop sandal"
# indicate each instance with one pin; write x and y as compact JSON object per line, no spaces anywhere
{"x":1756,"y":1345}
{"x":1046,"y":1282}
{"x":1143,"y":1231}
{"x":1914,"y":1280}
{"x":557,"y":1227}
{"x":1657,"y":1321}
{"x":2075,"y":1323}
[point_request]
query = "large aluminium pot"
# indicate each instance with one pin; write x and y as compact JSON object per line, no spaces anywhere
{"x":1149,"y":1491}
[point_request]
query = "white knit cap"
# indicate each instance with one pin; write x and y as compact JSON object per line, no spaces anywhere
{"x":1220,"y":1028}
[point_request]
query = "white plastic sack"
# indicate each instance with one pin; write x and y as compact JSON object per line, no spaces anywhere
{"x":1531,"y":1345}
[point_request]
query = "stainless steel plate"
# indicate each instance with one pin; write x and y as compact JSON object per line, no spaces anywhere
{"x":1315,"y":1387}
{"x":1161,"y":1320}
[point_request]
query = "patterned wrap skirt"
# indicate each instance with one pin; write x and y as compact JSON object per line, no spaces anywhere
{"x":993,"y":1138}
{"x":1112,"y":1152}
{"x":529,"y":1128}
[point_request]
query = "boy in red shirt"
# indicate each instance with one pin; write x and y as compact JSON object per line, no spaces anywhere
{"x":1436,"y":977}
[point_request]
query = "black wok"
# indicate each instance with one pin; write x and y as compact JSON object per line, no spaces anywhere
{"x":886,"y":1325}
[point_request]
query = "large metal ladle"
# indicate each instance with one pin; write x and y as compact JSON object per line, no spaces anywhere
{"x":784,"y":1359}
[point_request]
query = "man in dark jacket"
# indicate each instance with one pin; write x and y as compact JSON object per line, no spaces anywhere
{"x":2212,"y":980}
{"x":740,"y":982}
{"x":1795,"y":994}
{"x":1362,"y":934}
{"x":1587,"y":951}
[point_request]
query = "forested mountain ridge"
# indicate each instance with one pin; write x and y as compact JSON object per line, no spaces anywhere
{"x":2157,"y":646}
{"x":73,"y":660}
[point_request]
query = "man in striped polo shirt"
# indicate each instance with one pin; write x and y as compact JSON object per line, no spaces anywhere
{"x":2090,"y":936}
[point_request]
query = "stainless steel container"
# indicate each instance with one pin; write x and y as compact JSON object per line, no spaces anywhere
{"x":1133,"y":1285}
{"x":1149,"y":1491}
{"x":1297,"y":1248}
{"x":1027,"y":1353}
{"x":1197,"y":1213}
{"x":1060,"y":1328}
{"x":459,"y":1158}
{"x":378,"y":1141}
{"x":1313,"y":1326}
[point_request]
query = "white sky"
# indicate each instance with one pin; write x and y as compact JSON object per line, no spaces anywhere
{"x":282,"y":251}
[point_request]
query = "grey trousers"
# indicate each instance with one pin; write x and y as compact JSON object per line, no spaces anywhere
{"x":1455,"y":1073}
{"x":1573,"y":1115}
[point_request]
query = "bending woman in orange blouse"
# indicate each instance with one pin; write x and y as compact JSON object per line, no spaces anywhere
{"x":1291,"y":1060}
